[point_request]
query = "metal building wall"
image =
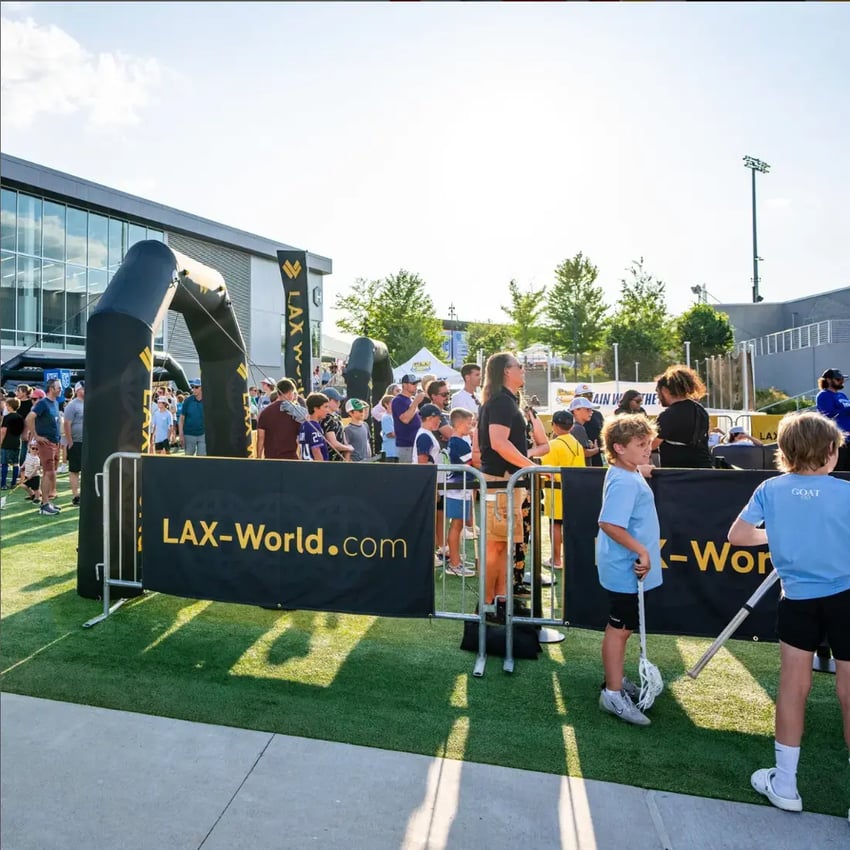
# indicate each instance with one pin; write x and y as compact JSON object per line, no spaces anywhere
{"x":235,"y":268}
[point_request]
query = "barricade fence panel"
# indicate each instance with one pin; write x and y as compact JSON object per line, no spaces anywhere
{"x":351,"y":538}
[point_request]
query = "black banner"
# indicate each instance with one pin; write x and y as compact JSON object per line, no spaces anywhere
{"x":353,"y":538}
{"x":297,"y":356}
{"x":706,"y":579}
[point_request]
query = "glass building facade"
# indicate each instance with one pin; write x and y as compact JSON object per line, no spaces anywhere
{"x":56,"y":260}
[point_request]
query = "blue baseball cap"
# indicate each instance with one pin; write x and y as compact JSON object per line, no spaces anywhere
{"x":332,"y":394}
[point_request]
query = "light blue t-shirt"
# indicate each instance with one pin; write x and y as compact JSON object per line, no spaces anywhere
{"x":807,"y":519}
{"x":388,"y":445}
{"x":627,"y":501}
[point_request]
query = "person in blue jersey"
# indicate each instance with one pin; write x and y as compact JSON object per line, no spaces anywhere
{"x":628,"y":550}
{"x":311,"y":437}
{"x":806,"y":519}
{"x":459,"y":502}
{"x":833,"y":403}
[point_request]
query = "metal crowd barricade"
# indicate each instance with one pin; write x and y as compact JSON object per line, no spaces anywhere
{"x":121,"y":552}
{"x":537,"y":487}
{"x":118,"y":486}
{"x":473,"y":482}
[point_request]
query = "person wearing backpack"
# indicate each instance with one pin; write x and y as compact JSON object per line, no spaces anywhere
{"x":682,"y":439}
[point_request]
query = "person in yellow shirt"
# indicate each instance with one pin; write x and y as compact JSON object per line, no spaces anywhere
{"x":564,"y":451}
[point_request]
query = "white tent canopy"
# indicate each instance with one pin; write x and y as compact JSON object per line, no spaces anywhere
{"x":425,"y":363}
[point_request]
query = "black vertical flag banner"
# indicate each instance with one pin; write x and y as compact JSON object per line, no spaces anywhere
{"x":297,"y":357}
{"x":290,"y":533}
{"x":706,"y":579}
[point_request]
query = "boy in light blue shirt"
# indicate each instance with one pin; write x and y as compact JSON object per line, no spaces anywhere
{"x":628,"y":550}
{"x":806,"y":516}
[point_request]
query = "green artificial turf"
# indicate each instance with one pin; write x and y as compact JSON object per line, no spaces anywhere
{"x":397,"y":684}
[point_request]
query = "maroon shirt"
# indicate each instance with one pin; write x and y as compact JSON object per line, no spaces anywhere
{"x":281,"y":437}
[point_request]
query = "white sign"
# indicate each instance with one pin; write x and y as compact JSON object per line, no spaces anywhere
{"x":606,"y":395}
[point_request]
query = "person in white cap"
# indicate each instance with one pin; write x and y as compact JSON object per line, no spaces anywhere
{"x":593,"y":426}
{"x":582,"y":410}
{"x":267,"y":387}
{"x":74,"y":439}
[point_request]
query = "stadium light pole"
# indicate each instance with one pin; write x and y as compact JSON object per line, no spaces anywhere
{"x":452,"y":315}
{"x":688,"y":354}
{"x":755,"y":165}
{"x":637,"y":364}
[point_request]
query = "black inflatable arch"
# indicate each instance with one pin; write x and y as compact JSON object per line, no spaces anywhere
{"x":119,"y":360}
{"x":369,"y":372}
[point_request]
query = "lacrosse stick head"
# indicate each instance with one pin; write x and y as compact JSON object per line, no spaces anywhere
{"x":651,"y":684}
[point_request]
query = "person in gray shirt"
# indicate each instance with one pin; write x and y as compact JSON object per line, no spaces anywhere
{"x":357,"y":431}
{"x":74,"y":439}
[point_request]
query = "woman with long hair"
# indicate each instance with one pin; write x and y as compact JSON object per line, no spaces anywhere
{"x":683,"y":424}
{"x":630,"y":403}
{"x":504,"y":450}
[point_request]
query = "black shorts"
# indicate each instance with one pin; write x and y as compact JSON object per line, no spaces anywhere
{"x":162,"y":446}
{"x":440,"y":503}
{"x":75,"y":457}
{"x":804,"y":623}
{"x":33,"y":483}
{"x":623,"y":610}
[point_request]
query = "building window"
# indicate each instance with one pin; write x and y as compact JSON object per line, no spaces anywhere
{"x":76,"y":237}
{"x":57,"y":261}
{"x":54,"y":231}
{"x":29,"y":225}
{"x":8,"y":220}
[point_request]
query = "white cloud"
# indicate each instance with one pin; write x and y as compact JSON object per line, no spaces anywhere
{"x":44,"y":70}
{"x":778,"y":203}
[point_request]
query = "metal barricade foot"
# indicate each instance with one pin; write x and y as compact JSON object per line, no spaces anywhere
{"x":101,"y":617}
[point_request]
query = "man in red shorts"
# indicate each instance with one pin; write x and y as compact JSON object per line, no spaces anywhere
{"x":43,"y":421}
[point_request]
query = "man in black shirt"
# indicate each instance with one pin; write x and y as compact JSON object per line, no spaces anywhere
{"x":504,"y":450}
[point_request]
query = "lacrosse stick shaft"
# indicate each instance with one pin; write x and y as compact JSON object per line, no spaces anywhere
{"x":642,"y":620}
{"x":736,"y":621}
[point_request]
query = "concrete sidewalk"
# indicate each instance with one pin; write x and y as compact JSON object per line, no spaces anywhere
{"x":77,"y":777}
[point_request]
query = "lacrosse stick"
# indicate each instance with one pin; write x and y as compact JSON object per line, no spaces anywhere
{"x":651,"y":683}
{"x":736,"y":621}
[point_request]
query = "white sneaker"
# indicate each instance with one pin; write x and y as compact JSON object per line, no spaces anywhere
{"x":621,"y":706}
{"x":63,"y":468}
{"x":459,"y":570}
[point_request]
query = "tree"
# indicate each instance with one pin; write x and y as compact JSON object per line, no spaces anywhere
{"x":575,"y":309}
{"x":707,"y":330}
{"x":395,"y":310}
{"x":524,"y":314}
{"x":489,"y":337}
{"x":640,"y":325}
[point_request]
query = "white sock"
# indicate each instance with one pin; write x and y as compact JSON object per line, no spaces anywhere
{"x":611,"y":693}
{"x":785,"y":778}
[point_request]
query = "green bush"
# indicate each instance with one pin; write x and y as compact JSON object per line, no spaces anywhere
{"x":779,"y":402}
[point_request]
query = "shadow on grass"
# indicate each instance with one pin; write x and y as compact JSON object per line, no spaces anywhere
{"x":49,"y":581}
{"x":394,"y":684}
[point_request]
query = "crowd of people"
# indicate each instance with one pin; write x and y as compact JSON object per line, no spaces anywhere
{"x":494,"y":429}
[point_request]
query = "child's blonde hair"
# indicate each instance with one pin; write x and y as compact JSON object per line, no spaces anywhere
{"x":458,"y":414}
{"x":806,"y":440}
{"x":622,"y":430}
{"x":386,"y":401}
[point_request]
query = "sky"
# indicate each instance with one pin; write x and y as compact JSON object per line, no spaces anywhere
{"x":471,"y":143}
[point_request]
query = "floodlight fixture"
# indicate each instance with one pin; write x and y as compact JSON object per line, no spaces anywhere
{"x":755,"y":165}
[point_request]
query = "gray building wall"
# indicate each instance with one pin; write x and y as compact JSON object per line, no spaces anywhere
{"x":795,"y":371}
{"x":754,"y":320}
